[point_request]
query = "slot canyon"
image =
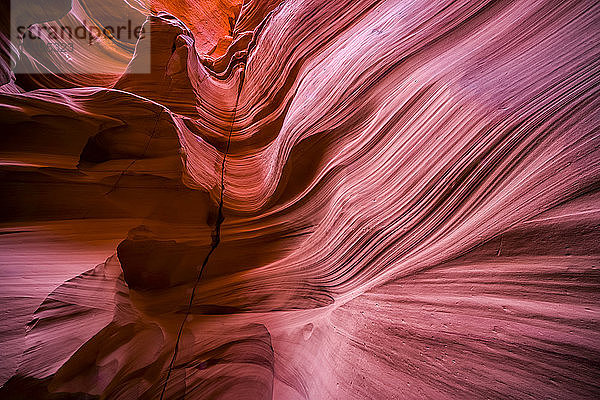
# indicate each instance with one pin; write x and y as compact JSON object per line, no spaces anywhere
{"x":300,"y":199}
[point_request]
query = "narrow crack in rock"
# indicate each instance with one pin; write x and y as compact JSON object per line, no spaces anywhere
{"x":146,"y":147}
{"x":216,"y":237}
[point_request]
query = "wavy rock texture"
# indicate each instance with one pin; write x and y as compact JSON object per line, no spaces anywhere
{"x":308,"y":199}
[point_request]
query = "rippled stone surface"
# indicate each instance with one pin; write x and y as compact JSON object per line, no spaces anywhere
{"x":307,"y":199}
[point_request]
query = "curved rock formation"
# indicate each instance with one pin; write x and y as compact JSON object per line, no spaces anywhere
{"x":304,"y":199}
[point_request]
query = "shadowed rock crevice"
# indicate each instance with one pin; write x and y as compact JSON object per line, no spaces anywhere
{"x":216,"y":239}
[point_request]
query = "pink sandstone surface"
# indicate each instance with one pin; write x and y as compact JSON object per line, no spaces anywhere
{"x":307,"y":199}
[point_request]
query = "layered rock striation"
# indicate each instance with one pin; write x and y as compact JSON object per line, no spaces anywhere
{"x":306,"y":200}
